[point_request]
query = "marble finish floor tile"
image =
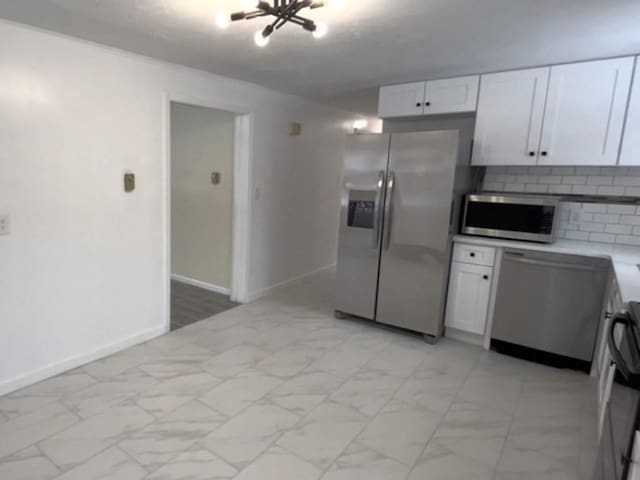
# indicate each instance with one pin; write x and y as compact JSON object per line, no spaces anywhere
{"x":281,"y":390}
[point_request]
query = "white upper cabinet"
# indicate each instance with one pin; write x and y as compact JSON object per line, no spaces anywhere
{"x":452,"y":95}
{"x":631,"y":142}
{"x":401,"y":100}
{"x":585,"y":112}
{"x":509,"y":121}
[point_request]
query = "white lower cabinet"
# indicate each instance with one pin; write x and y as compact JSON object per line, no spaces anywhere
{"x":468,"y":299}
{"x":634,"y":470}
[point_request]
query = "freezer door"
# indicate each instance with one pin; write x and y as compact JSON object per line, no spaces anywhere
{"x":365,"y":169}
{"x":416,"y":247}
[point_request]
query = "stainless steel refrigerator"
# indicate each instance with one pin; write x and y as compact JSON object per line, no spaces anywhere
{"x":399,"y":209}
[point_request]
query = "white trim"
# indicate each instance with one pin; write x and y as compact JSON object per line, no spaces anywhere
{"x":242,"y":187}
{"x":265,"y":291}
{"x":462,"y":336}
{"x":76,"y":361}
{"x":198,"y":283}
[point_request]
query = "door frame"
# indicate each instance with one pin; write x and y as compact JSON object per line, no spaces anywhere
{"x":242,"y":182}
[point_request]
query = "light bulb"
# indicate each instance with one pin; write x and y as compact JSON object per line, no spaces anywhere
{"x":321,"y":30}
{"x":360,"y":124}
{"x":260,"y":39}
{"x":223,"y":19}
{"x":250,"y":4}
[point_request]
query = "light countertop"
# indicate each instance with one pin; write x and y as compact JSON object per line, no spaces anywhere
{"x":625,"y":259}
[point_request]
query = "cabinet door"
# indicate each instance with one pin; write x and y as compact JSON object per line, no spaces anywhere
{"x":585,"y":113}
{"x":634,"y":469}
{"x":509,"y":121}
{"x":631,"y":141}
{"x":401,"y":100}
{"x":451,"y":95}
{"x":468,"y":299}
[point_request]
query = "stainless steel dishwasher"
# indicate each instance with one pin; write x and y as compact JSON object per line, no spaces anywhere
{"x":550,"y":302}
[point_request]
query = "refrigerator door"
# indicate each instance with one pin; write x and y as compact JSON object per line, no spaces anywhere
{"x":361,"y":224}
{"x":416,"y":245}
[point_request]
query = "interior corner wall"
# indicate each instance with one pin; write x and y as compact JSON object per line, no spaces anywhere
{"x":81,"y":274}
{"x":202,"y":142}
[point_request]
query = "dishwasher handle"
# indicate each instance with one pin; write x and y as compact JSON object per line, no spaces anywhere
{"x":521,"y":258}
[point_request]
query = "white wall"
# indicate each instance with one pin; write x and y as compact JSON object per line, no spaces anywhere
{"x":82,"y":272}
{"x":202,"y":142}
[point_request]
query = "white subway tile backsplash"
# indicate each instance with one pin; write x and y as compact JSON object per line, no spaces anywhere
{"x":587,"y":171}
{"x":494,"y":186}
{"x":559,"y":189}
{"x":599,"y":222}
{"x":615,"y":171}
{"x":584,"y":189}
{"x":606,"y":218}
{"x":574,"y":180}
{"x":526,"y":179}
{"x":534,"y":188}
{"x":602,"y":238}
{"x":612,"y":191}
{"x":595,"y":208}
{"x":627,"y":240}
{"x":550,"y":179}
{"x":588,"y":222}
{"x":600,"y":180}
{"x":619,"y":229}
{"x":605,"y":181}
{"x":563,"y":171}
{"x":573,"y":235}
{"x":622,"y":209}
{"x":514,"y":187}
{"x":627,"y":181}
{"x":592,"y":227}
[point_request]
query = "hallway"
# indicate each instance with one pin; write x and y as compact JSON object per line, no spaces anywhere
{"x":191,"y":304}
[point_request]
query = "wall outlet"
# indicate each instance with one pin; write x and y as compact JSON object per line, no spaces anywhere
{"x":5,"y":224}
{"x":576,"y":214}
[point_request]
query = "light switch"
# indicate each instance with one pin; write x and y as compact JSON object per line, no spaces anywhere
{"x":5,"y":225}
{"x":216,"y":178}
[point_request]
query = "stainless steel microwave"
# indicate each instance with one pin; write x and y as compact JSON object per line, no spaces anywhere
{"x":517,"y":217}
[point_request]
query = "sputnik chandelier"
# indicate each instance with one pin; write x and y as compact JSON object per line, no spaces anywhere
{"x":284,"y":11}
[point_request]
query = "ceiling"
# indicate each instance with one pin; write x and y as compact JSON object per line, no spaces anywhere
{"x":370,"y":42}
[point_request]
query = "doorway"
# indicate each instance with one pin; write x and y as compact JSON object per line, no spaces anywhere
{"x":202,"y":154}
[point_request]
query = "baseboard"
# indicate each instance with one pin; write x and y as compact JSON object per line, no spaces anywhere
{"x":465,"y":337}
{"x":34,"y":376}
{"x":200,"y":284}
{"x":253,"y":296}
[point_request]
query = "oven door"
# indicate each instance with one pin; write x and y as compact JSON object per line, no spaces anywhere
{"x":624,"y":402}
{"x":512,"y":217}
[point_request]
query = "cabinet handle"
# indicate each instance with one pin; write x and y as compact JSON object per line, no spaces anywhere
{"x":486,"y":277}
{"x":532,"y":154}
{"x":427,"y":104}
{"x":418,"y":104}
{"x":472,"y":254}
{"x":544,"y":154}
{"x":607,"y":315}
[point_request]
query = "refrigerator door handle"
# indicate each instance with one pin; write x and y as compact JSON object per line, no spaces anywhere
{"x":388,"y":210}
{"x":377,"y":220}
